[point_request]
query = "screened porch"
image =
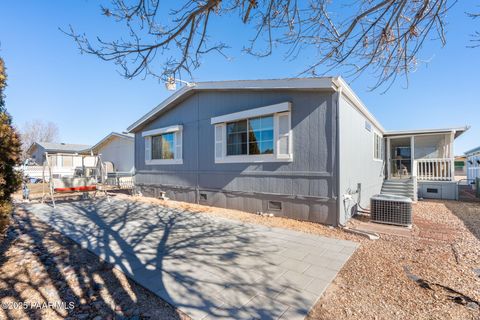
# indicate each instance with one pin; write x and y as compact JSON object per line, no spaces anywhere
{"x":427,"y":156}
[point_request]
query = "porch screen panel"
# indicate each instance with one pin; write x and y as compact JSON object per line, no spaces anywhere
{"x":430,"y":146}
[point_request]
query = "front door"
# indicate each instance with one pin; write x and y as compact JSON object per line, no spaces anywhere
{"x":400,"y":158}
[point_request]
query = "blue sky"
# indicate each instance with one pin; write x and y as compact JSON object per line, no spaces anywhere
{"x":87,"y":98}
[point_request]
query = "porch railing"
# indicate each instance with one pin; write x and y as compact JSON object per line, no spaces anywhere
{"x":433,"y":169}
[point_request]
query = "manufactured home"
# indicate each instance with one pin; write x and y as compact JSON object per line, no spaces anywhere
{"x":472,"y":164}
{"x":116,"y":151}
{"x":306,"y":149}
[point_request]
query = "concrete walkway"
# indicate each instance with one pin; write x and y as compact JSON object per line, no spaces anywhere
{"x":210,"y":268}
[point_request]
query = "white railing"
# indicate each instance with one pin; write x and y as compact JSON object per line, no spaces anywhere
{"x":37,"y":171}
{"x":433,"y":169}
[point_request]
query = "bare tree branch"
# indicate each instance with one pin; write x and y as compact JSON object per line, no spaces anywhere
{"x":382,"y":36}
{"x":37,"y":131}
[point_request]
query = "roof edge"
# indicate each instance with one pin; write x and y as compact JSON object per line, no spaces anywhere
{"x":348,"y":92}
{"x":108,"y":136}
{"x":457,"y":130}
{"x":322,"y":83}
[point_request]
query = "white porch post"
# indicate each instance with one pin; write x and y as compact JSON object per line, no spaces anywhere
{"x":414,"y":168}
{"x":452,"y":157}
{"x":412,"y":153}
{"x":388,"y":159}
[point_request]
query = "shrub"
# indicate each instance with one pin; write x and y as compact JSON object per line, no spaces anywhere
{"x":10,"y":150}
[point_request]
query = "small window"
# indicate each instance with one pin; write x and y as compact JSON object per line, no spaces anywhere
{"x":163,"y":146}
{"x":432,"y":190}
{"x":377,"y":146}
{"x":68,"y":161}
{"x":203,"y":197}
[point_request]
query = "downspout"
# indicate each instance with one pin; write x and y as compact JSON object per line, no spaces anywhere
{"x":197,"y":178}
{"x":337,"y":151}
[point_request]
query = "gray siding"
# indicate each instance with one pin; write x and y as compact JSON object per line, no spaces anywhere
{"x":119,"y":151}
{"x":38,"y":154}
{"x":306,"y":186}
{"x":356,"y":160}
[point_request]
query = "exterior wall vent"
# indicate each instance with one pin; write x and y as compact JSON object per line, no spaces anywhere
{"x":391,"y":209}
{"x":274,"y":205}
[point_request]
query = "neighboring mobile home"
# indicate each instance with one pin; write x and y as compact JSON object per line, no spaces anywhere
{"x":473,"y":164}
{"x":306,"y":149}
{"x":64,"y":158}
{"x":116,"y":150}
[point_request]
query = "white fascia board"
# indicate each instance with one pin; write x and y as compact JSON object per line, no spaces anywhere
{"x":251,"y":113}
{"x":169,"y":129}
{"x":110,"y":135}
{"x":348,"y":93}
{"x":457,"y":131}
{"x":292,"y":83}
{"x":160,"y":107}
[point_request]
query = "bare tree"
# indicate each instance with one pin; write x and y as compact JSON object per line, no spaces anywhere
{"x":475,"y":41}
{"x":383,"y":36}
{"x":37,"y":131}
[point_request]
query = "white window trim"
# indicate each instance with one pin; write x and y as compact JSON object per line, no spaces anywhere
{"x":382,"y":146}
{"x":260,"y":158}
{"x":163,"y":161}
{"x":252,"y":113}
{"x":178,"y":129}
{"x":169,"y":129}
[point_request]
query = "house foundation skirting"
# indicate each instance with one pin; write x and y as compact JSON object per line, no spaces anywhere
{"x":446,"y":190}
{"x":306,"y":208}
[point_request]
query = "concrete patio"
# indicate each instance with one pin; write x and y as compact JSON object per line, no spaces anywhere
{"x":208,"y":267}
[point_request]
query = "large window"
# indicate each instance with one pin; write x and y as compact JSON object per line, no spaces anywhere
{"x":250,"y":136}
{"x":377,"y":146}
{"x":255,"y":135}
{"x":163,"y":146}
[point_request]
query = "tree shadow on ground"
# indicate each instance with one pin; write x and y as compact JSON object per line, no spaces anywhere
{"x":201,"y":265}
{"x":41,"y":266}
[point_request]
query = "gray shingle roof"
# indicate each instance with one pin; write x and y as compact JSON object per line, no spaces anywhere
{"x":63,"y":147}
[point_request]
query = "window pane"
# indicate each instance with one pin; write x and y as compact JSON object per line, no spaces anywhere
{"x":237,"y":138}
{"x":238,"y":126}
{"x":267,"y":135}
{"x":266,"y":147}
{"x":260,"y":135}
{"x":163,"y":146}
{"x":254,"y":124}
{"x":236,"y":149}
{"x":283,"y":145}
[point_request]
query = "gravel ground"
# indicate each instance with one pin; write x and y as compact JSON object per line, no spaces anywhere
{"x":433,"y":274}
{"x":429,"y":275}
{"x":38,"y":266}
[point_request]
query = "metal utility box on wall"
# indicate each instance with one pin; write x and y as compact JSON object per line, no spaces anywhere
{"x":391,"y":209}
